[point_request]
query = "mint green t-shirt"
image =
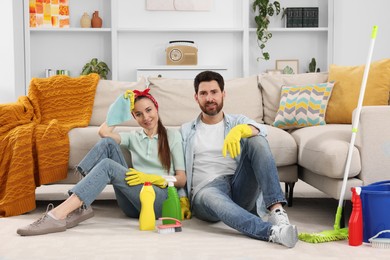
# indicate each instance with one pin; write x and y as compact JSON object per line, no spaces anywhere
{"x":144,"y":151}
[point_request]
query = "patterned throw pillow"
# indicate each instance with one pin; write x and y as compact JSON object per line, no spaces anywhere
{"x":302,"y":106}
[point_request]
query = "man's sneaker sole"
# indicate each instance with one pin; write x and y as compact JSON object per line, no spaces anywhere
{"x":293,"y":239}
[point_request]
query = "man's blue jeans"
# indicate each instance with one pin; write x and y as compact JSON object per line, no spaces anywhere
{"x":106,"y":164}
{"x":231,"y":199}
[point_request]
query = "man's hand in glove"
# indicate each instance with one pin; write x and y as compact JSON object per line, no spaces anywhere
{"x":232,"y":140}
{"x":135,"y":177}
{"x":185,"y":208}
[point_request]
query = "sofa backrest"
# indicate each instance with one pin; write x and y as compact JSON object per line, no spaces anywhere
{"x":177,"y":102}
{"x":176,"y":99}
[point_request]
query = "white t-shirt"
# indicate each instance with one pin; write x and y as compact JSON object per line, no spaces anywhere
{"x":209,"y":162}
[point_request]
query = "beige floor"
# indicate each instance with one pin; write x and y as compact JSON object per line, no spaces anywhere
{"x":110,"y":235}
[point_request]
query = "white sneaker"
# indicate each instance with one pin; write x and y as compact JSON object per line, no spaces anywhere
{"x":286,"y":235}
{"x":278,"y":217}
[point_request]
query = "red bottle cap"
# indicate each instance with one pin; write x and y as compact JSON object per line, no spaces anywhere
{"x":147,"y":183}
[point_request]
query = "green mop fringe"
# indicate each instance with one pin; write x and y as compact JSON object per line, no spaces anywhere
{"x":324,"y":236}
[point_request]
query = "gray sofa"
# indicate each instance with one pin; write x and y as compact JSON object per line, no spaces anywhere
{"x":315,"y":154}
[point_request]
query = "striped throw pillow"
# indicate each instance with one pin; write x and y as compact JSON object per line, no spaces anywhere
{"x":302,"y":106}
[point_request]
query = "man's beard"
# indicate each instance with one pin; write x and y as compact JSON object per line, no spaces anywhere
{"x":214,"y":111}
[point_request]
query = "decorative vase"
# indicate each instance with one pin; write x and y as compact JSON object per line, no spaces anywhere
{"x":85,"y":21}
{"x":96,"y":20}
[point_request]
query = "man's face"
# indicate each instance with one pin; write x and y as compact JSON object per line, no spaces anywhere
{"x":210,"y":98}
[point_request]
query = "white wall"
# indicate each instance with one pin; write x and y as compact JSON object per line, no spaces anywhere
{"x":7,"y":68}
{"x":353,"y":22}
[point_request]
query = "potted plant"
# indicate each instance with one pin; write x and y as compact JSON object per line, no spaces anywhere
{"x":312,"y":65}
{"x":95,"y":66}
{"x":265,"y":9}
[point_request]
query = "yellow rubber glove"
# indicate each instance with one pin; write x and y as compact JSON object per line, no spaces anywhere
{"x":130,"y":94}
{"x":135,"y":177}
{"x":232,"y":140}
{"x":185,"y":208}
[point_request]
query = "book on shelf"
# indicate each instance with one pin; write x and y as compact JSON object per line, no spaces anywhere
{"x":301,"y":17}
{"x":310,"y":17}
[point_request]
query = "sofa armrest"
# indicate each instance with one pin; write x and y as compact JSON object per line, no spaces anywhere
{"x":373,"y":142}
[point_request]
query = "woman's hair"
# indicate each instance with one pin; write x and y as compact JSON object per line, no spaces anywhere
{"x":164,"y":153}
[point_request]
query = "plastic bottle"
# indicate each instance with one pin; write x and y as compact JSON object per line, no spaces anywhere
{"x":171,"y":206}
{"x":147,"y":218}
{"x":355,"y":225}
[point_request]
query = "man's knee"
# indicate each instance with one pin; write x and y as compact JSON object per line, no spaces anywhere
{"x":257,"y":142}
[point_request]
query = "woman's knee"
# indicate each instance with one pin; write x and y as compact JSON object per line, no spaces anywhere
{"x":107,"y":141}
{"x":106,"y":163}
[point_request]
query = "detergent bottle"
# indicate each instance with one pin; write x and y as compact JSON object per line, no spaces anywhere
{"x":355,"y":224}
{"x":171,"y":206}
{"x":147,"y":217}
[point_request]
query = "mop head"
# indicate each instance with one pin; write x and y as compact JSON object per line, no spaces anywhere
{"x":324,"y":236}
{"x":328,"y":235}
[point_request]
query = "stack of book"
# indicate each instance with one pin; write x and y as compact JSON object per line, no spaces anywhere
{"x":302,"y":17}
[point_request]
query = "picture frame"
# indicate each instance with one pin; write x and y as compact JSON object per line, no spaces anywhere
{"x":287,"y":66}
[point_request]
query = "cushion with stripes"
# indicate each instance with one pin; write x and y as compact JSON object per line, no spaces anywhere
{"x":302,"y":106}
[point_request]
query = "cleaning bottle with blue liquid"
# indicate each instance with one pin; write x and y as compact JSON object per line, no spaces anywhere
{"x":171,"y":206}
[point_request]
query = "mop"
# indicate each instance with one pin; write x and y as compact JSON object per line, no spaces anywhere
{"x":342,"y":233}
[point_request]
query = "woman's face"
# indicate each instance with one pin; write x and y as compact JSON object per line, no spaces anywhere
{"x":146,"y":114}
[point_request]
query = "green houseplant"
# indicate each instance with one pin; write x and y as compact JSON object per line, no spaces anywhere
{"x":265,"y":10}
{"x":312,"y":65}
{"x":96,"y":66}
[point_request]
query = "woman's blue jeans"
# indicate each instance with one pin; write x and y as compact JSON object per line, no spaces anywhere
{"x":232,"y":198}
{"x":105,"y":164}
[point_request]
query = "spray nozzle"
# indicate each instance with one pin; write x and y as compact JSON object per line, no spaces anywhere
{"x":170,"y":179}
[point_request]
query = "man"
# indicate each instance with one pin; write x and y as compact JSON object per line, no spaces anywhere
{"x":224,"y":188}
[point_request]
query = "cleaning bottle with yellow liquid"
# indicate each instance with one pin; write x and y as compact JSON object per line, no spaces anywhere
{"x":171,"y":206}
{"x":147,"y":217}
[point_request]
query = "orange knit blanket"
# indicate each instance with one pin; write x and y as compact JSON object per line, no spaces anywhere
{"x":34,"y":144}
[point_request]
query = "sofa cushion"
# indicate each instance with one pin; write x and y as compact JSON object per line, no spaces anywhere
{"x":324,"y":149}
{"x":177,"y":104}
{"x":271,"y":88}
{"x":283,"y":146}
{"x":348,"y":80}
{"x":302,"y":106}
{"x":106,"y":93}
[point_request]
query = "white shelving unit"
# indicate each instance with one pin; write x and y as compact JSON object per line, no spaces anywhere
{"x":178,"y":72}
{"x":133,"y":38}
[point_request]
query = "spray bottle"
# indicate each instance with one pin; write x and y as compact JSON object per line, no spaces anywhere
{"x":355,"y":225}
{"x":171,"y":206}
{"x":147,"y":218}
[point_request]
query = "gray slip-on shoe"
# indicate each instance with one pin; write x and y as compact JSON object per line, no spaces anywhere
{"x":43,"y":225}
{"x":78,"y":215}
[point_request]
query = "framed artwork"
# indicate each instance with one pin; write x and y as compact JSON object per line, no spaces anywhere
{"x":287,"y":66}
{"x":49,"y":13}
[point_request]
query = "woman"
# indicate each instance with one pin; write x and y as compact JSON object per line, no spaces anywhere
{"x":151,"y":148}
